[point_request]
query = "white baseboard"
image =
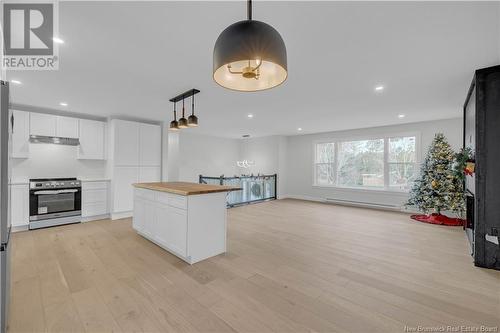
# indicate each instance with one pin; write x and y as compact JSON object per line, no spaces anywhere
{"x":349,"y":203}
{"x":121,"y":215}
{"x":95,"y":218}
{"x":19,"y":228}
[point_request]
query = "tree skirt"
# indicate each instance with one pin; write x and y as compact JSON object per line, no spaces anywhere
{"x":435,"y":218}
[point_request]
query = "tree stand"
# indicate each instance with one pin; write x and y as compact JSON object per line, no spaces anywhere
{"x":436,"y":218}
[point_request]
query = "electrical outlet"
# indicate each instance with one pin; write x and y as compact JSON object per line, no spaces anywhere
{"x":494,"y":231}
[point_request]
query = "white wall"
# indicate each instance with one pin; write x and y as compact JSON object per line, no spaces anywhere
{"x":49,"y":160}
{"x":206,"y":155}
{"x":299,"y":172}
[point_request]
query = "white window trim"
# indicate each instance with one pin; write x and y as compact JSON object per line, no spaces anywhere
{"x":386,"y":188}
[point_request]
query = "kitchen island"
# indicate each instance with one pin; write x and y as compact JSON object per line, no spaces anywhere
{"x":187,"y":219}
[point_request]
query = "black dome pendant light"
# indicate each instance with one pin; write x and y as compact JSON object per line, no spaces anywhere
{"x":192,"y":119}
{"x":250,"y":55}
{"x":174,"y":124}
{"x":183,"y":123}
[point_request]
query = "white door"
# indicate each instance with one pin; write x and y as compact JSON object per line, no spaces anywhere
{"x":20,"y":134}
{"x":149,"y":221}
{"x":42,"y":124}
{"x":162,"y":222}
{"x":149,"y":145}
{"x":126,"y":143}
{"x":67,"y":127}
{"x":177,"y":230}
{"x":149,"y":174}
{"x":123,"y":191}
{"x":92,"y":135}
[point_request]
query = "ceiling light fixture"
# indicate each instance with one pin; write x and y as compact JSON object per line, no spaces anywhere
{"x":299,"y":129}
{"x":401,"y":116}
{"x":174,"y":124}
{"x":63,"y":104}
{"x":57,"y":40}
{"x":379,"y":88}
{"x":192,"y":119}
{"x":249,"y":115}
{"x":16,"y":82}
{"x":250,"y":55}
{"x":183,"y":123}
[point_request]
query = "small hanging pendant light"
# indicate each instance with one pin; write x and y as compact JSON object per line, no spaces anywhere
{"x":250,"y":55}
{"x":183,"y":123}
{"x":192,"y":119}
{"x":174,"y":124}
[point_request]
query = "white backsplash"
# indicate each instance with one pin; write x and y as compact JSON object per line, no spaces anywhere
{"x":49,"y":160}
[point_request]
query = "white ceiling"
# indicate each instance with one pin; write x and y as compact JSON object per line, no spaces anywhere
{"x":129,"y":58}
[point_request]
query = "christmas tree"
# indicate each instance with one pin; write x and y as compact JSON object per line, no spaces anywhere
{"x":438,"y":188}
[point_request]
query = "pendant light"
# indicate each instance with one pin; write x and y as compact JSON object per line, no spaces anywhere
{"x":249,"y":55}
{"x":183,"y":123}
{"x":192,"y":119}
{"x":174,"y":124}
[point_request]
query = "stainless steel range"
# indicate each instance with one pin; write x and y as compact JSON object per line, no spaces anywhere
{"x":55,"y":201}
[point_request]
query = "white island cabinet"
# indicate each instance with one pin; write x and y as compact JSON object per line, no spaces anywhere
{"x":186,"y":219}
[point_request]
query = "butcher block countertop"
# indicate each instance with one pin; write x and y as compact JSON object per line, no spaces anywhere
{"x":185,"y":188}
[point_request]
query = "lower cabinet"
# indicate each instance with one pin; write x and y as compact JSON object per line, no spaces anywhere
{"x":20,"y":202}
{"x":94,"y":199}
{"x":164,"y":224}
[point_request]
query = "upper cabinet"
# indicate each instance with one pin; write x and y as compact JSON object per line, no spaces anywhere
{"x":42,"y":124}
{"x":125,"y":142}
{"x":67,"y":127}
{"x":92,"y":140}
{"x":20,"y":134}
{"x":149,"y":145}
{"x":50,"y":125}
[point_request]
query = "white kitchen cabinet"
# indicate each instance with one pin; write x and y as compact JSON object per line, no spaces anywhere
{"x":67,"y":127}
{"x":94,"y":199}
{"x":92,"y":140}
{"x":193,"y":227}
{"x":42,"y":124}
{"x":122,"y":190}
{"x":177,"y":229}
{"x":134,"y":146}
{"x":149,"y":174}
{"x":20,"y":134}
{"x":126,"y":143}
{"x":149,"y":145}
{"x":20,"y":205}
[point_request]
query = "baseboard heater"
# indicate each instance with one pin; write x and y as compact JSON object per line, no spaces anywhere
{"x":363,"y":204}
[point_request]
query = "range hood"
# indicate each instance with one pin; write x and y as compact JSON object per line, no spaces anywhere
{"x":55,"y":140}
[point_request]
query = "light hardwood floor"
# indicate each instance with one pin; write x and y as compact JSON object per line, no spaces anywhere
{"x":291,"y":266}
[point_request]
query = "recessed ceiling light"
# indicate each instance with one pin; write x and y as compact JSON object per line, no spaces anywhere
{"x":401,"y":116}
{"x":250,"y":115}
{"x":299,"y":129}
{"x":57,"y":40}
{"x":63,"y":104}
{"x":16,"y":81}
{"x":379,"y":88}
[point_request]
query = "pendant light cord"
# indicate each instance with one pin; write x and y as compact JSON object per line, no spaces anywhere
{"x":175,"y":112}
{"x":249,"y":9}
{"x":183,"y":108}
{"x":192,"y":105}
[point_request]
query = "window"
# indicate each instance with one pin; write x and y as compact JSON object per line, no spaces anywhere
{"x":361,"y":163}
{"x":325,"y":164}
{"x":382,"y":163}
{"x":401,"y":163}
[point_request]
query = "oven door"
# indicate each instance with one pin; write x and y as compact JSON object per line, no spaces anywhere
{"x":46,"y":204}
